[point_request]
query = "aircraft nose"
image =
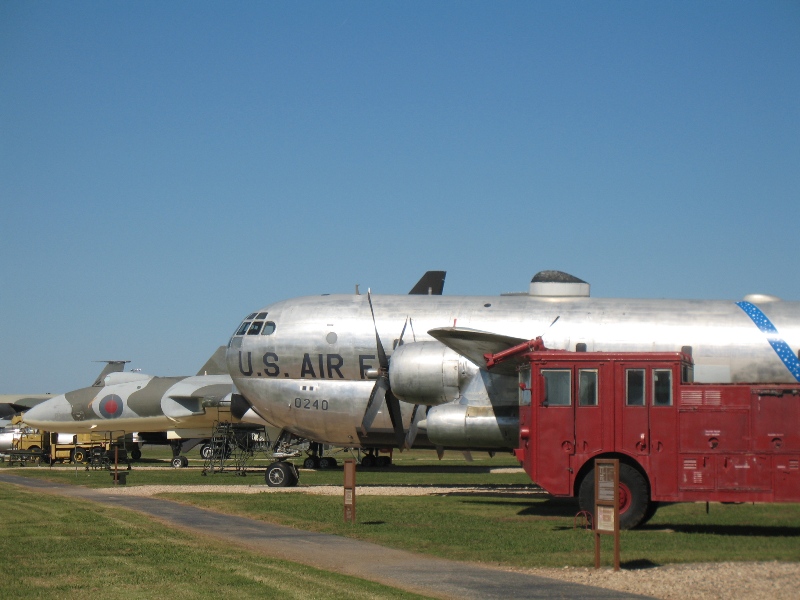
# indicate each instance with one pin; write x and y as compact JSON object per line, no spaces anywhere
{"x":56,"y":410}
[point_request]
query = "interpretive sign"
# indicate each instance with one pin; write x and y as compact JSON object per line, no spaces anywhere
{"x":606,"y":503}
{"x":349,"y":491}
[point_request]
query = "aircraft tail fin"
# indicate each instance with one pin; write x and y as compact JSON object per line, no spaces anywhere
{"x":215,"y":365}
{"x":432,"y":283}
{"x":112,"y":366}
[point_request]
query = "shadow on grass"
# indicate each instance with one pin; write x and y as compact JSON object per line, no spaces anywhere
{"x":444,"y":468}
{"x":736,"y":530}
{"x":547,"y":507}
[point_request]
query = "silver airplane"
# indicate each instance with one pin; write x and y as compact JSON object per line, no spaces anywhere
{"x":376,"y":371}
{"x":180,"y":411}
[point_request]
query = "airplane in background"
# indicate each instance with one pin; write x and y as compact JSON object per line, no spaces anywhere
{"x":180,"y":411}
{"x":14,"y":404}
{"x":375,"y":371}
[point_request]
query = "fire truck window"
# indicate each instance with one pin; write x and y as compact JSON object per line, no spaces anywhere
{"x":662,"y":387}
{"x":525,"y":387}
{"x":587,"y":388}
{"x":635,"y":388}
{"x":557,"y":387}
{"x":255,"y":328}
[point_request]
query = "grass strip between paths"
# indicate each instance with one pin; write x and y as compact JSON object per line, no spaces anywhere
{"x":56,"y":547}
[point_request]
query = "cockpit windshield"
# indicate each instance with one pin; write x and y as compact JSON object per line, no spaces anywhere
{"x":255,"y":327}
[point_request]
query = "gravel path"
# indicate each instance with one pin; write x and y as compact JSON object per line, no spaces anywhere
{"x":706,"y":581}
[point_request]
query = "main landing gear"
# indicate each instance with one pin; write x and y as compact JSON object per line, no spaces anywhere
{"x":316,"y":461}
{"x":371,"y":459}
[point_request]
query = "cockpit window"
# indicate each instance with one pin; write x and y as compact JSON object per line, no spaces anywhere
{"x":250,"y":316}
{"x":261,"y":315}
{"x":269,"y":328}
{"x":255,"y":328}
{"x":242,"y":328}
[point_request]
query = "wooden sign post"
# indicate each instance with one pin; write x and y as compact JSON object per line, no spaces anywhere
{"x":606,"y":506}
{"x":349,"y":491}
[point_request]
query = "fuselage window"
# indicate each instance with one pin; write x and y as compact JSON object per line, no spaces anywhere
{"x":587,"y":387}
{"x":255,"y":328}
{"x":662,"y":387}
{"x":635,"y":387}
{"x":269,"y":328}
{"x":557,"y":387}
{"x":242,"y":328}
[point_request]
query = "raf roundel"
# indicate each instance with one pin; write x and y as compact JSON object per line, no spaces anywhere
{"x":111,"y":406}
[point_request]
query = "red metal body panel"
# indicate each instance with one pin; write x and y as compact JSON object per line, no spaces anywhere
{"x":694,"y":442}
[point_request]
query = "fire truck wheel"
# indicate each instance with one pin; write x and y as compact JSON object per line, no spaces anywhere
{"x":79,"y":455}
{"x":634,"y":497}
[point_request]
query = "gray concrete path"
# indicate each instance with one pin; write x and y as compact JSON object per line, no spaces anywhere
{"x":417,"y":573}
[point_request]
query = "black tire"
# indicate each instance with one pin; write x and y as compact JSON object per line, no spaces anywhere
{"x":281,"y":474}
{"x":136,"y":454}
{"x":185,"y":461}
{"x":312,"y":462}
{"x":384,"y":461}
{"x":634,"y":496}
{"x":177,"y":462}
{"x":328,"y":462}
{"x":368,"y":461}
{"x":207,"y":451}
{"x":79,"y":455}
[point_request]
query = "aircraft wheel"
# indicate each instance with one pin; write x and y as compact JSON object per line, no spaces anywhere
{"x":79,"y":455}
{"x":368,"y":461}
{"x":185,"y":461}
{"x":177,"y":462}
{"x":312,"y":462}
{"x":206,"y":451}
{"x":136,"y":454}
{"x":634,"y":496}
{"x":328,"y":462}
{"x":281,"y":474}
{"x":384,"y":461}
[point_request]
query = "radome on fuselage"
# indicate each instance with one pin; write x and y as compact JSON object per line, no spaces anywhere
{"x":309,"y":364}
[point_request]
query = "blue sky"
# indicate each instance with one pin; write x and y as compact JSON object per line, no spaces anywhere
{"x":166,"y":168}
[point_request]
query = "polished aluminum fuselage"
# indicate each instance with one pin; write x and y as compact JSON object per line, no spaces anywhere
{"x":311,"y":376}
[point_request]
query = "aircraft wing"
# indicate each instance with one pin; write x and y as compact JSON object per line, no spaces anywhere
{"x":473,"y":344}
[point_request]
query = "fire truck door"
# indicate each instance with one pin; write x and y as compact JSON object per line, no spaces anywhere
{"x":634,"y":434}
{"x":555,"y":428}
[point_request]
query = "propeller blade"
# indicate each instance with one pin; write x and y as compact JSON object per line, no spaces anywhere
{"x":374,"y":404}
{"x":384,"y":362}
{"x":393,"y":404}
{"x":400,"y":341}
{"x":416,"y":417}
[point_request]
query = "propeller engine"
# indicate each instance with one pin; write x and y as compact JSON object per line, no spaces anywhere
{"x":382,"y":392}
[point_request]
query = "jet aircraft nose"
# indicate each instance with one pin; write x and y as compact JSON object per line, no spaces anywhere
{"x":50,"y":413}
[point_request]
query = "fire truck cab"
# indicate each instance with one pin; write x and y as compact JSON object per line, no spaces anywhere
{"x":677,"y":441}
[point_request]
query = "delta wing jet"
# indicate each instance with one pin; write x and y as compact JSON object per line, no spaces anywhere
{"x":182,"y":410}
{"x":370,"y":371}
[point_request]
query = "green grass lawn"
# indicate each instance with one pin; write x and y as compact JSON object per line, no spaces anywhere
{"x":524,"y":531}
{"x":529,"y":532}
{"x":57,"y":547}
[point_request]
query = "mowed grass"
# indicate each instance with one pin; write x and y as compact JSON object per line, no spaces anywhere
{"x":529,"y":532}
{"x":515,"y":530}
{"x":56,"y":547}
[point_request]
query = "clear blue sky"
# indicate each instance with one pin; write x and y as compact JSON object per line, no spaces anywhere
{"x":168,"y":167}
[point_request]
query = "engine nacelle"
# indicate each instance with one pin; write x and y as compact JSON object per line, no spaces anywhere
{"x":427,"y":373}
{"x":464,"y":426}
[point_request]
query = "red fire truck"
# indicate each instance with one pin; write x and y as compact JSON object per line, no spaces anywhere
{"x":677,"y":441}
